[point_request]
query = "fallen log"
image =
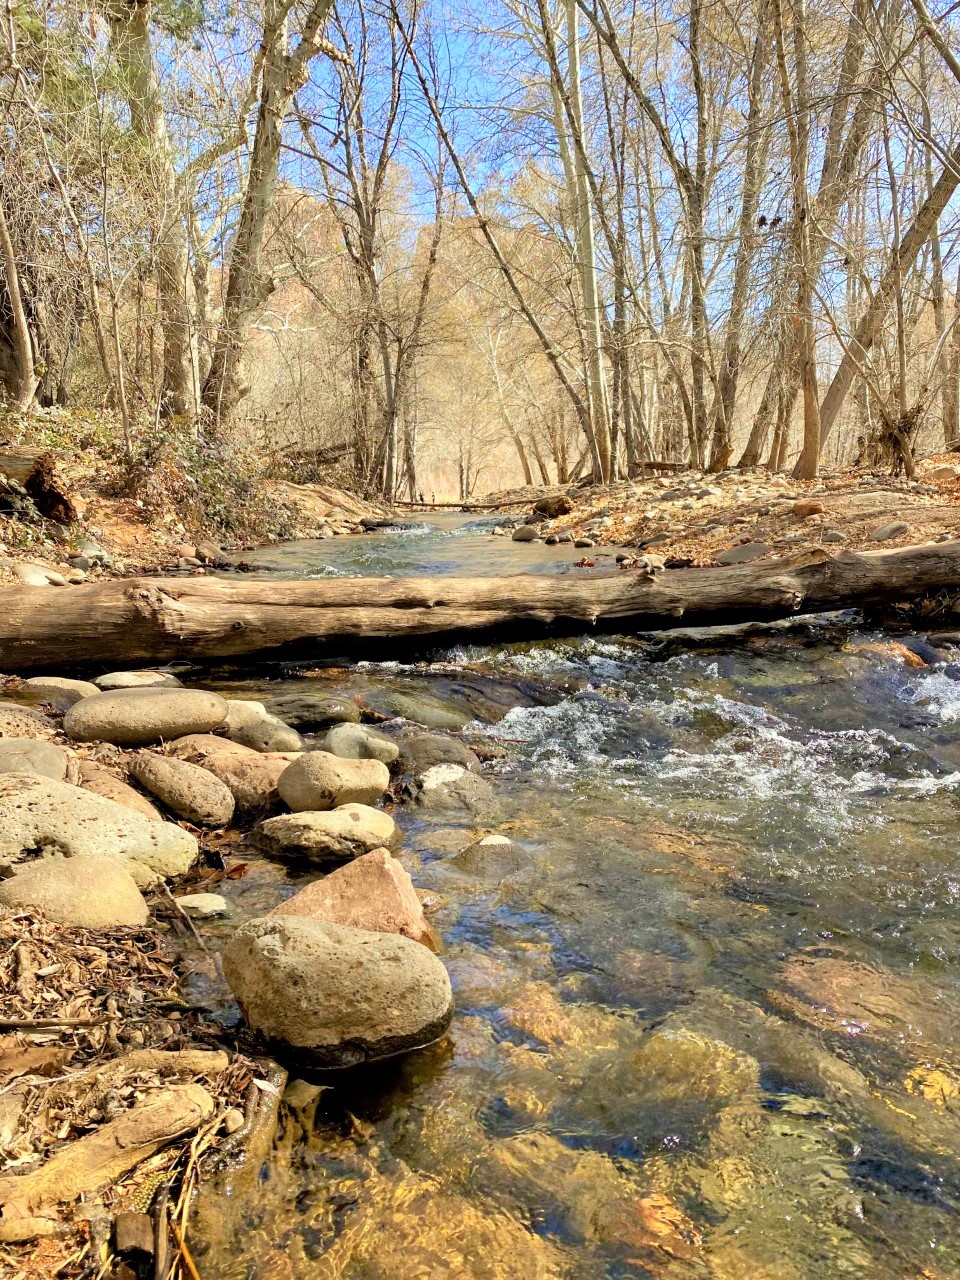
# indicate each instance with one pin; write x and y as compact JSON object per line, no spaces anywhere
{"x":34,"y":471}
{"x":159,"y":619}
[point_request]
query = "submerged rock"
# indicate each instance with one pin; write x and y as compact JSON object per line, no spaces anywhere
{"x":188,"y":790}
{"x":27,"y":755}
{"x":319,"y":780}
{"x":138,"y":717}
{"x":252,"y":725}
{"x":312,"y":711}
{"x":430,"y":712}
{"x":333,"y":995}
{"x":37,"y":814}
{"x":345,"y":832}
{"x":373,"y":892}
{"x":92,"y":892}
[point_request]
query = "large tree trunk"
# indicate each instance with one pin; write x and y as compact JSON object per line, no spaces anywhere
{"x":157,"y":620}
{"x":27,"y":380}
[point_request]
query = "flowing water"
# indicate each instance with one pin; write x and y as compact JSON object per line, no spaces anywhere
{"x":708,"y":998}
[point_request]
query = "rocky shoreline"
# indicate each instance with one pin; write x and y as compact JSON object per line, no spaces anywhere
{"x":123,"y":802}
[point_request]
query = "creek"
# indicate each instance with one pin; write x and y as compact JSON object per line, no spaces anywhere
{"x":707,"y":998}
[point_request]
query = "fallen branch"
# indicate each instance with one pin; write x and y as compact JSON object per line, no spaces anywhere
{"x":156,"y":620}
{"x":114,"y":1149}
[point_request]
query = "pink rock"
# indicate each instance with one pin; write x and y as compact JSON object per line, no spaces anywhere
{"x":372,"y":892}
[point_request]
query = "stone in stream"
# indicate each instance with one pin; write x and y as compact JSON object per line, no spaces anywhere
{"x":420,"y":752}
{"x":318,"y":780}
{"x":335,"y":996}
{"x":451,"y":786}
{"x":884,"y":532}
{"x":333,"y":836}
{"x":138,"y":717}
{"x":25,"y":722}
{"x":39,"y":814}
{"x":59,"y":690}
{"x":743,"y":553}
{"x":430,"y":712}
{"x":91,"y":892}
{"x":252,"y":725}
{"x":526,"y":533}
{"x":373,"y":892}
{"x":202,"y":906}
{"x":103,"y":783}
{"x":310,"y":711}
{"x":137,"y":680}
{"x":359,"y":742}
{"x":190,"y":791}
{"x":494,"y":857}
{"x":252,"y":776}
{"x":584,"y":542}
{"x":27,"y":755}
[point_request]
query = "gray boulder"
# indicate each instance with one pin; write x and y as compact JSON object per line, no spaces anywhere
{"x":94,"y":893}
{"x":137,"y":717}
{"x":137,"y":680}
{"x":422,"y":751}
{"x":884,"y":532}
{"x":252,"y":725}
{"x":333,"y":836}
{"x":357,"y":742}
{"x":743,"y":553}
{"x":40,"y":814}
{"x":318,"y":780}
{"x":190,"y":791}
{"x":526,"y":533}
{"x":27,"y":755}
{"x":311,"y":711}
{"x":335,"y":995}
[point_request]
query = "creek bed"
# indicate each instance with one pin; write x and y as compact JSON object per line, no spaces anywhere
{"x":707,"y":1000}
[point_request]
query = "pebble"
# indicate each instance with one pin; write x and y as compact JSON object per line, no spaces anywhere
{"x":201,"y":906}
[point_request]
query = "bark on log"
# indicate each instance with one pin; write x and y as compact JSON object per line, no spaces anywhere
{"x":155,"y":619}
{"x":34,"y":470}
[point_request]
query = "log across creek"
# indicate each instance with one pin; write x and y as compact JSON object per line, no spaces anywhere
{"x":152,"y":620}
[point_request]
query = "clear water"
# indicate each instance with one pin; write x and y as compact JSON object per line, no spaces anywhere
{"x":707,"y":1018}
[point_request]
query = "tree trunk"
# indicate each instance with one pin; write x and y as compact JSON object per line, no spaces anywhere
{"x":28,"y":381}
{"x":158,"y":620}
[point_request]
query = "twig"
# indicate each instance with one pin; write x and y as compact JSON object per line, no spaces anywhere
{"x":41,"y":1024}
{"x":185,"y":1253}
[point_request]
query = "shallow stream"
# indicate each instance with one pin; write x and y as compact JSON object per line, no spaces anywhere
{"x":708,"y":1001}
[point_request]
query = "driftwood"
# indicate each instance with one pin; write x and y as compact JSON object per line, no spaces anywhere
{"x":34,"y":471}
{"x":156,"y":620}
{"x":105,"y":1155}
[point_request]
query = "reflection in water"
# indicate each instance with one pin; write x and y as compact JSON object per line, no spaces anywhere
{"x":708,"y":1002}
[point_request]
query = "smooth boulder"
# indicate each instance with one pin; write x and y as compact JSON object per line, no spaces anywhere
{"x":252,"y":725}
{"x":60,"y":690}
{"x":333,"y":995}
{"x":103,"y":783}
{"x":373,"y":892}
{"x":358,"y":742}
{"x":39,"y":814}
{"x":27,"y":755}
{"x":92,"y":892}
{"x":138,"y":717}
{"x":190,"y":791}
{"x":319,"y":780}
{"x":137,"y":680}
{"x":336,"y":835}
{"x":251,"y":776}
{"x":421,"y":751}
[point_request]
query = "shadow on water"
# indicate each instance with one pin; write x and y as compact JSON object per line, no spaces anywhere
{"x":707,"y":998}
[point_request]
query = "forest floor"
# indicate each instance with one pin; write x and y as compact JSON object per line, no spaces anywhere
{"x":692,"y":518}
